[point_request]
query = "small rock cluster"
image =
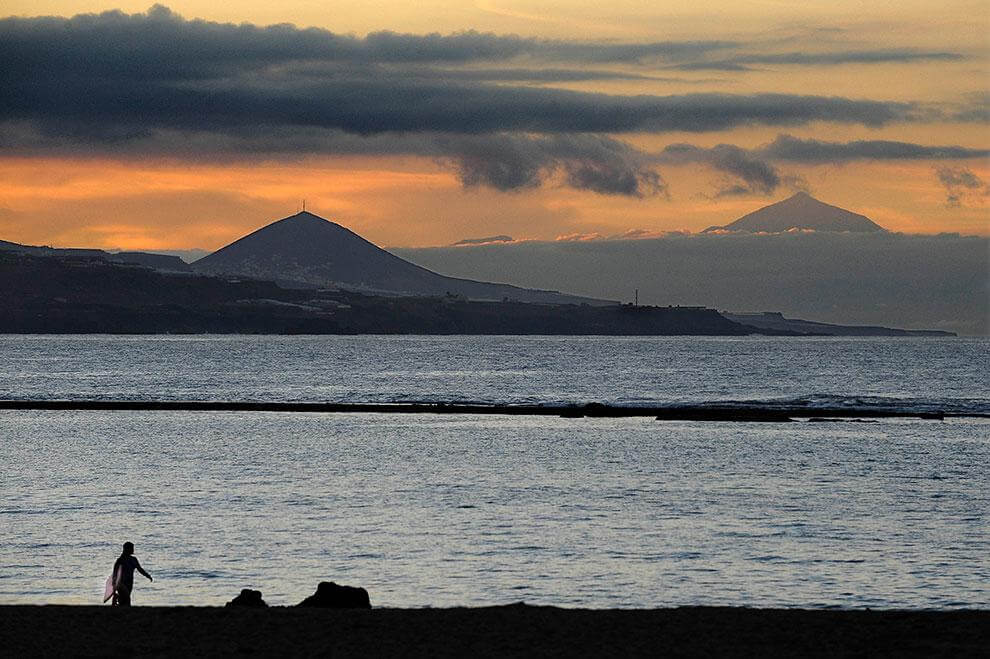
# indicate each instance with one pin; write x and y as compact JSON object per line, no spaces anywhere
{"x":248,"y":597}
{"x":328,"y":595}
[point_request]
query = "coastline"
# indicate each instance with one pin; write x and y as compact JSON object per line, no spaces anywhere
{"x":505,"y":631}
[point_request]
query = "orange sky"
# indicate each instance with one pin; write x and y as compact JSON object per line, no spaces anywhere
{"x":123,"y":205}
{"x":89,"y":194}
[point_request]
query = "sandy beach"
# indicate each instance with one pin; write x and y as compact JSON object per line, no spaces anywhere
{"x":508,"y":631}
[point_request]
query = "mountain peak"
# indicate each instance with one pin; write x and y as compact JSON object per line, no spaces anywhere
{"x":803,"y":197}
{"x":300,"y":238}
{"x":801,"y":212}
{"x":306,"y":215}
{"x":303,"y":217}
{"x":306,"y":248}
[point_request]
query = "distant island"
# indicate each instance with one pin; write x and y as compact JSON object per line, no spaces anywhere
{"x":801,"y":212}
{"x":800,"y":256}
{"x":306,"y":275}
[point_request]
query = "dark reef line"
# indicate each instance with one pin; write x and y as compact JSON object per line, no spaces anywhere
{"x":661,"y":413}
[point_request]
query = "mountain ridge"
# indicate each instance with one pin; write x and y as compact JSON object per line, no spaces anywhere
{"x":312,"y":250}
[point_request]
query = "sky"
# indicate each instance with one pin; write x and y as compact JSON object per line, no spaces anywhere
{"x":130,"y":126}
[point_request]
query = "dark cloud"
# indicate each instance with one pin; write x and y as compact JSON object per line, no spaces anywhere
{"x":958,"y":177}
{"x":957,"y":182}
{"x":543,"y":75}
{"x":588,"y":162}
{"x":145,"y":72}
{"x":759,"y":176}
{"x":474,"y":46}
{"x":854,"y":57}
{"x":719,"y":65}
{"x":734,"y":190}
{"x":163,"y":44}
{"x":488,"y":240}
{"x":504,"y":161}
{"x":605,"y":179}
{"x":787,"y":147}
{"x":605,"y":165}
{"x":510,"y":163}
{"x":754,"y":175}
{"x":84,"y":108}
{"x":634,"y":52}
{"x":742,"y":62}
{"x":157,"y":84}
{"x":975,"y":108}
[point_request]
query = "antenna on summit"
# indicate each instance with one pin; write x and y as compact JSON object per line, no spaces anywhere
{"x":304,"y":205}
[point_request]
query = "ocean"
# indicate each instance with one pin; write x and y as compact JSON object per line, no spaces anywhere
{"x":471,"y":510}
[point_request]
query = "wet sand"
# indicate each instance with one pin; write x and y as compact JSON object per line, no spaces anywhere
{"x":509,"y":631}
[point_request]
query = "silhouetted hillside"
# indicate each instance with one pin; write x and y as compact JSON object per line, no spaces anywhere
{"x":91,"y":295}
{"x":308,"y":249}
{"x":156,"y":261}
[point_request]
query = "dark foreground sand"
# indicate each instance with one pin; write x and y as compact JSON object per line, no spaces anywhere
{"x":509,"y":631}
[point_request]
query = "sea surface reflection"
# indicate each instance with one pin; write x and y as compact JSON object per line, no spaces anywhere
{"x":479,"y":510}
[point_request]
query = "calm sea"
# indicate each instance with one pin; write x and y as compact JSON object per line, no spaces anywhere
{"x":429,"y":510}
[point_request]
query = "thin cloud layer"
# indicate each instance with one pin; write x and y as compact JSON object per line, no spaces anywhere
{"x":743,"y":62}
{"x":787,"y":147}
{"x":164,"y":39}
{"x":488,"y":240}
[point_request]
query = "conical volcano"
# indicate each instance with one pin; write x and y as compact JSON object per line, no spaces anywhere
{"x":800,"y":212}
{"x":305,"y":248}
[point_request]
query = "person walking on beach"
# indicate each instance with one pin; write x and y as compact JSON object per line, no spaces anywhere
{"x":123,"y":575}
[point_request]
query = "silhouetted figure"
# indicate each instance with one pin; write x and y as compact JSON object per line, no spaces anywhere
{"x":123,"y":575}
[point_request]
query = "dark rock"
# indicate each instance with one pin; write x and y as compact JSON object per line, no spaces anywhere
{"x":329,"y":595}
{"x":247,"y":597}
